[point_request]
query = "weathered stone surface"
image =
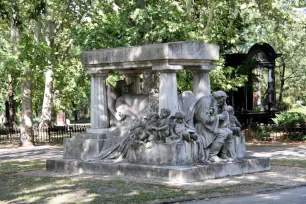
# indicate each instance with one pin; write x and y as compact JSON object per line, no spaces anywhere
{"x":163,"y":154}
{"x":82,"y":148}
{"x":178,"y":174}
{"x":201,"y":84}
{"x":168,"y":92}
{"x":174,"y":50}
{"x":240,"y":147}
{"x":99,"y":117}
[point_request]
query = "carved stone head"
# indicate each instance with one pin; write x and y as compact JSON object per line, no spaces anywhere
{"x":164,"y":112}
{"x":220,"y":97}
{"x":230,"y":110}
{"x":122,"y":85}
{"x":179,"y":116}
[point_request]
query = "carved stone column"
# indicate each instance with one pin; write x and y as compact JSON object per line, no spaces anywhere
{"x":168,"y":86}
{"x":99,"y":117}
{"x":201,"y":80}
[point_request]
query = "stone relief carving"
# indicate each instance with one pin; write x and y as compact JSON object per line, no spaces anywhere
{"x":208,"y":124}
{"x":124,"y":105}
{"x":235,"y":125}
{"x":211,"y":121}
{"x":181,"y":131}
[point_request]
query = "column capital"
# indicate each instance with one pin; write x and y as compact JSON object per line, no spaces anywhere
{"x":165,"y":67}
{"x":131,"y":73}
{"x":201,"y":68}
{"x":95,"y":71}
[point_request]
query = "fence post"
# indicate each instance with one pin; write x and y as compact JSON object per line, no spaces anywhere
{"x":49,"y":133}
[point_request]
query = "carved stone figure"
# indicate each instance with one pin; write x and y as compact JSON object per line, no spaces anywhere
{"x":235,"y":150}
{"x":123,"y":104}
{"x":164,"y":122}
{"x":211,"y":121}
{"x":180,"y":131}
{"x":235,"y":125}
{"x":150,"y":136}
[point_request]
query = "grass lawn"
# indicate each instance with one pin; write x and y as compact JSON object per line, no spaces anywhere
{"x":20,"y":184}
{"x":300,"y":109}
{"x":289,"y":162}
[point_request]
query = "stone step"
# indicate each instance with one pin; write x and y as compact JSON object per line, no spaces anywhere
{"x":98,"y":136}
{"x":177,"y":174}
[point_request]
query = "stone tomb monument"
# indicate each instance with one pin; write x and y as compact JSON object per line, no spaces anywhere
{"x":179,"y":138}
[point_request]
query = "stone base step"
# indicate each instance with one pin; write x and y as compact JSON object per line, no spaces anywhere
{"x":177,"y":174}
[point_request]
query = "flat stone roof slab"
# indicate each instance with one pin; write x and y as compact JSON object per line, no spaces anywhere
{"x":174,"y":53}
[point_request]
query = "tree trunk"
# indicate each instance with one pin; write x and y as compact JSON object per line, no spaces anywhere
{"x":46,"y":115}
{"x":75,"y":112}
{"x":7,"y":112}
{"x":282,"y":80}
{"x":27,"y":136}
{"x":15,"y":40}
{"x":11,"y":101}
{"x":47,"y":102}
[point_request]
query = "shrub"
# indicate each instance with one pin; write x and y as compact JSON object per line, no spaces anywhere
{"x":289,"y":118}
{"x":284,"y":106}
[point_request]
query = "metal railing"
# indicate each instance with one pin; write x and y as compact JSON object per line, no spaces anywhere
{"x":272,"y":132}
{"x":53,"y":134}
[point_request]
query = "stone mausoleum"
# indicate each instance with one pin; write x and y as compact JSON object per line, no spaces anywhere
{"x":179,"y":138}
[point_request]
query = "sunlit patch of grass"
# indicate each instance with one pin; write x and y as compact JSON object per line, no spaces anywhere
{"x":20,"y":188}
{"x":299,"y":109}
{"x":289,"y":162}
{"x":9,"y":167}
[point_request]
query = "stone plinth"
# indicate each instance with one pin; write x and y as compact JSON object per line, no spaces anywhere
{"x":83,"y":146}
{"x":178,"y":174}
{"x":162,"y":154}
{"x":240,"y":147}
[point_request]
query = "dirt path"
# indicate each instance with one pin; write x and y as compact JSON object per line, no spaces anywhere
{"x":282,"y":152}
{"x":38,"y":152}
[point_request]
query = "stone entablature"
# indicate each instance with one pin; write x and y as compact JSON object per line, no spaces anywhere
{"x":166,"y":58}
{"x":190,"y":53}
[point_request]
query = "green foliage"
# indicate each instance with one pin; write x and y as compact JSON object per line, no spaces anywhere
{"x":113,"y":78}
{"x":184,"y":80}
{"x":300,"y":109}
{"x":82,"y":25}
{"x":298,"y":137}
{"x":289,"y":118}
{"x":284,"y":106}
{"x":261,"y":132}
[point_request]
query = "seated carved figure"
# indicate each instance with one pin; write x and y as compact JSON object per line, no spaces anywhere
{"x":211,"y":121}
{"x":150,"y":133}
{"x":235,"y":125}
{"x":123,"y":104}
{"x":180,"y":131}
{"x":164,"y":122}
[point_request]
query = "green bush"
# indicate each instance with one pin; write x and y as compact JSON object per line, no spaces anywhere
{"x":289,"y":118}
{"x":284,"y":106}
{"x":298,"y":137}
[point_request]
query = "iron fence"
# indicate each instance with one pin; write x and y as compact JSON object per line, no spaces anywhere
{"x":272,"y":132}
{"x":54,"y":134}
